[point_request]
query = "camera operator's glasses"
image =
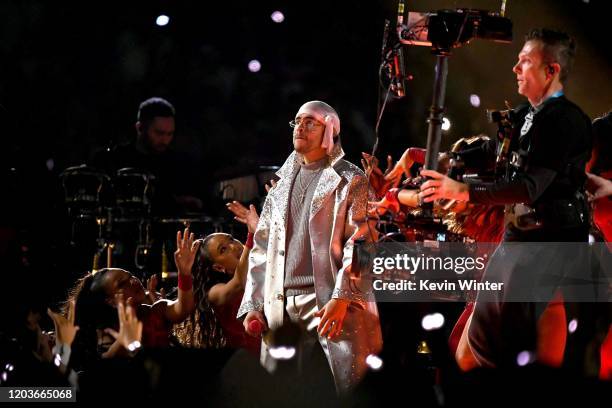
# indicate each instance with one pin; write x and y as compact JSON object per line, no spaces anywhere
{"x":309,"y":124}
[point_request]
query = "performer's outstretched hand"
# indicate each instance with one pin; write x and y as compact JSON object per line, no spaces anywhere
{"x":378,"y":180}
{"x":270,"y":186}
{"x":441,"y":186}
{"x":65,"y":330}
{"x":402,"y":167}
{"x":186,"y":250}
{"x":332,"y":317}
{"x":598,"y":187}
{"x":130,"y":328}
{"x":245,"y":215}
{"x":152,"y":294}
{"x":377,"y":208}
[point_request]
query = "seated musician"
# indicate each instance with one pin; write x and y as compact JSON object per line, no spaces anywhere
{"x":152,"y":153}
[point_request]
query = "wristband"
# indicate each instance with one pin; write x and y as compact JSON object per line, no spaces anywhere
{"x":62,"y":353}
{"x":392,"y":195}
{"x":185,"y":282}
{"x":134,"y":346}
{"x":249,"y":241}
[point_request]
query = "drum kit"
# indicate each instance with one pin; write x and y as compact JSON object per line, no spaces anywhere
{"x":111,"y":218}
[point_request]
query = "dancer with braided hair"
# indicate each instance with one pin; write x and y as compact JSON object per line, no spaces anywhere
{"x":219,"y":276}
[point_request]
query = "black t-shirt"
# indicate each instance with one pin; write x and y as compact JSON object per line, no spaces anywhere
{"x":558,"y":146}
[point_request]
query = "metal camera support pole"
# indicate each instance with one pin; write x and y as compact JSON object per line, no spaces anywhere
{"x":444,"y":30}
{"x":436,"y":112}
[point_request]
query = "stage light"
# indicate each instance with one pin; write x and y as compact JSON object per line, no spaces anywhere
{"x":278,"y":17}
{"x":524,"y":358}
{"x":475,"y":100}
{"x":432,"y":321}
{"x":374,"y":362}
{"x":254,"y":66}
{"x":282,"y":352}
{"x":162,"y":20}
{"x":446,"y":124}
{"x":572,"y":326}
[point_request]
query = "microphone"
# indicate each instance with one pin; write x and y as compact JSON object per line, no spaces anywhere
{"x":256,"y":327}
{"x":399,"y":71}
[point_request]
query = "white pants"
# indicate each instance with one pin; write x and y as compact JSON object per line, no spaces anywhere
{"x":300,"y":310}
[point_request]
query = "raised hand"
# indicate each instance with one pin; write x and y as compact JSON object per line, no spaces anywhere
{"x":377,"y":208}
{"x":65,"y":330}
{"x":379,"y":180}
{"x":401,"y":168}
{"x":130,"y":328}
{"x":245,"y":215}
{"x":598,"y":187}
{"x":152,"y":294}
{"x":186,"y":250}
{"x":271,"y":186}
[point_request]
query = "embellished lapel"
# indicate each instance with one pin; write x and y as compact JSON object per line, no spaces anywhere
{"x":328,"y":181}
{"x":280,"y":193}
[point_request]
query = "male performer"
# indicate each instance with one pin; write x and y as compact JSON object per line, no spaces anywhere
{"x":300,"y":265}
{"x":151,"y":152}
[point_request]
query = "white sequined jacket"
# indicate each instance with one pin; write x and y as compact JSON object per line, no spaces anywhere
{"x":337,"y":217}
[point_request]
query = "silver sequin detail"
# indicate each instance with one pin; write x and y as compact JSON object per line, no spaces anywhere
{"x":249,"y":306}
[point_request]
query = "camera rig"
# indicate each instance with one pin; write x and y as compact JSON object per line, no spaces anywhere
{"x":444,"y":30}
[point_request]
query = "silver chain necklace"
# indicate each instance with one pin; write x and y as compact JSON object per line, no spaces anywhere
{"x":305,"y":189}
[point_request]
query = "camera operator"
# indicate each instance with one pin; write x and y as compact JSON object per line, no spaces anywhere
{"x":544,"y":188}
{"x":541,"y":187}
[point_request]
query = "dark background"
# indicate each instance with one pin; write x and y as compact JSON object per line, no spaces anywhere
{"x":72,"y":75}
